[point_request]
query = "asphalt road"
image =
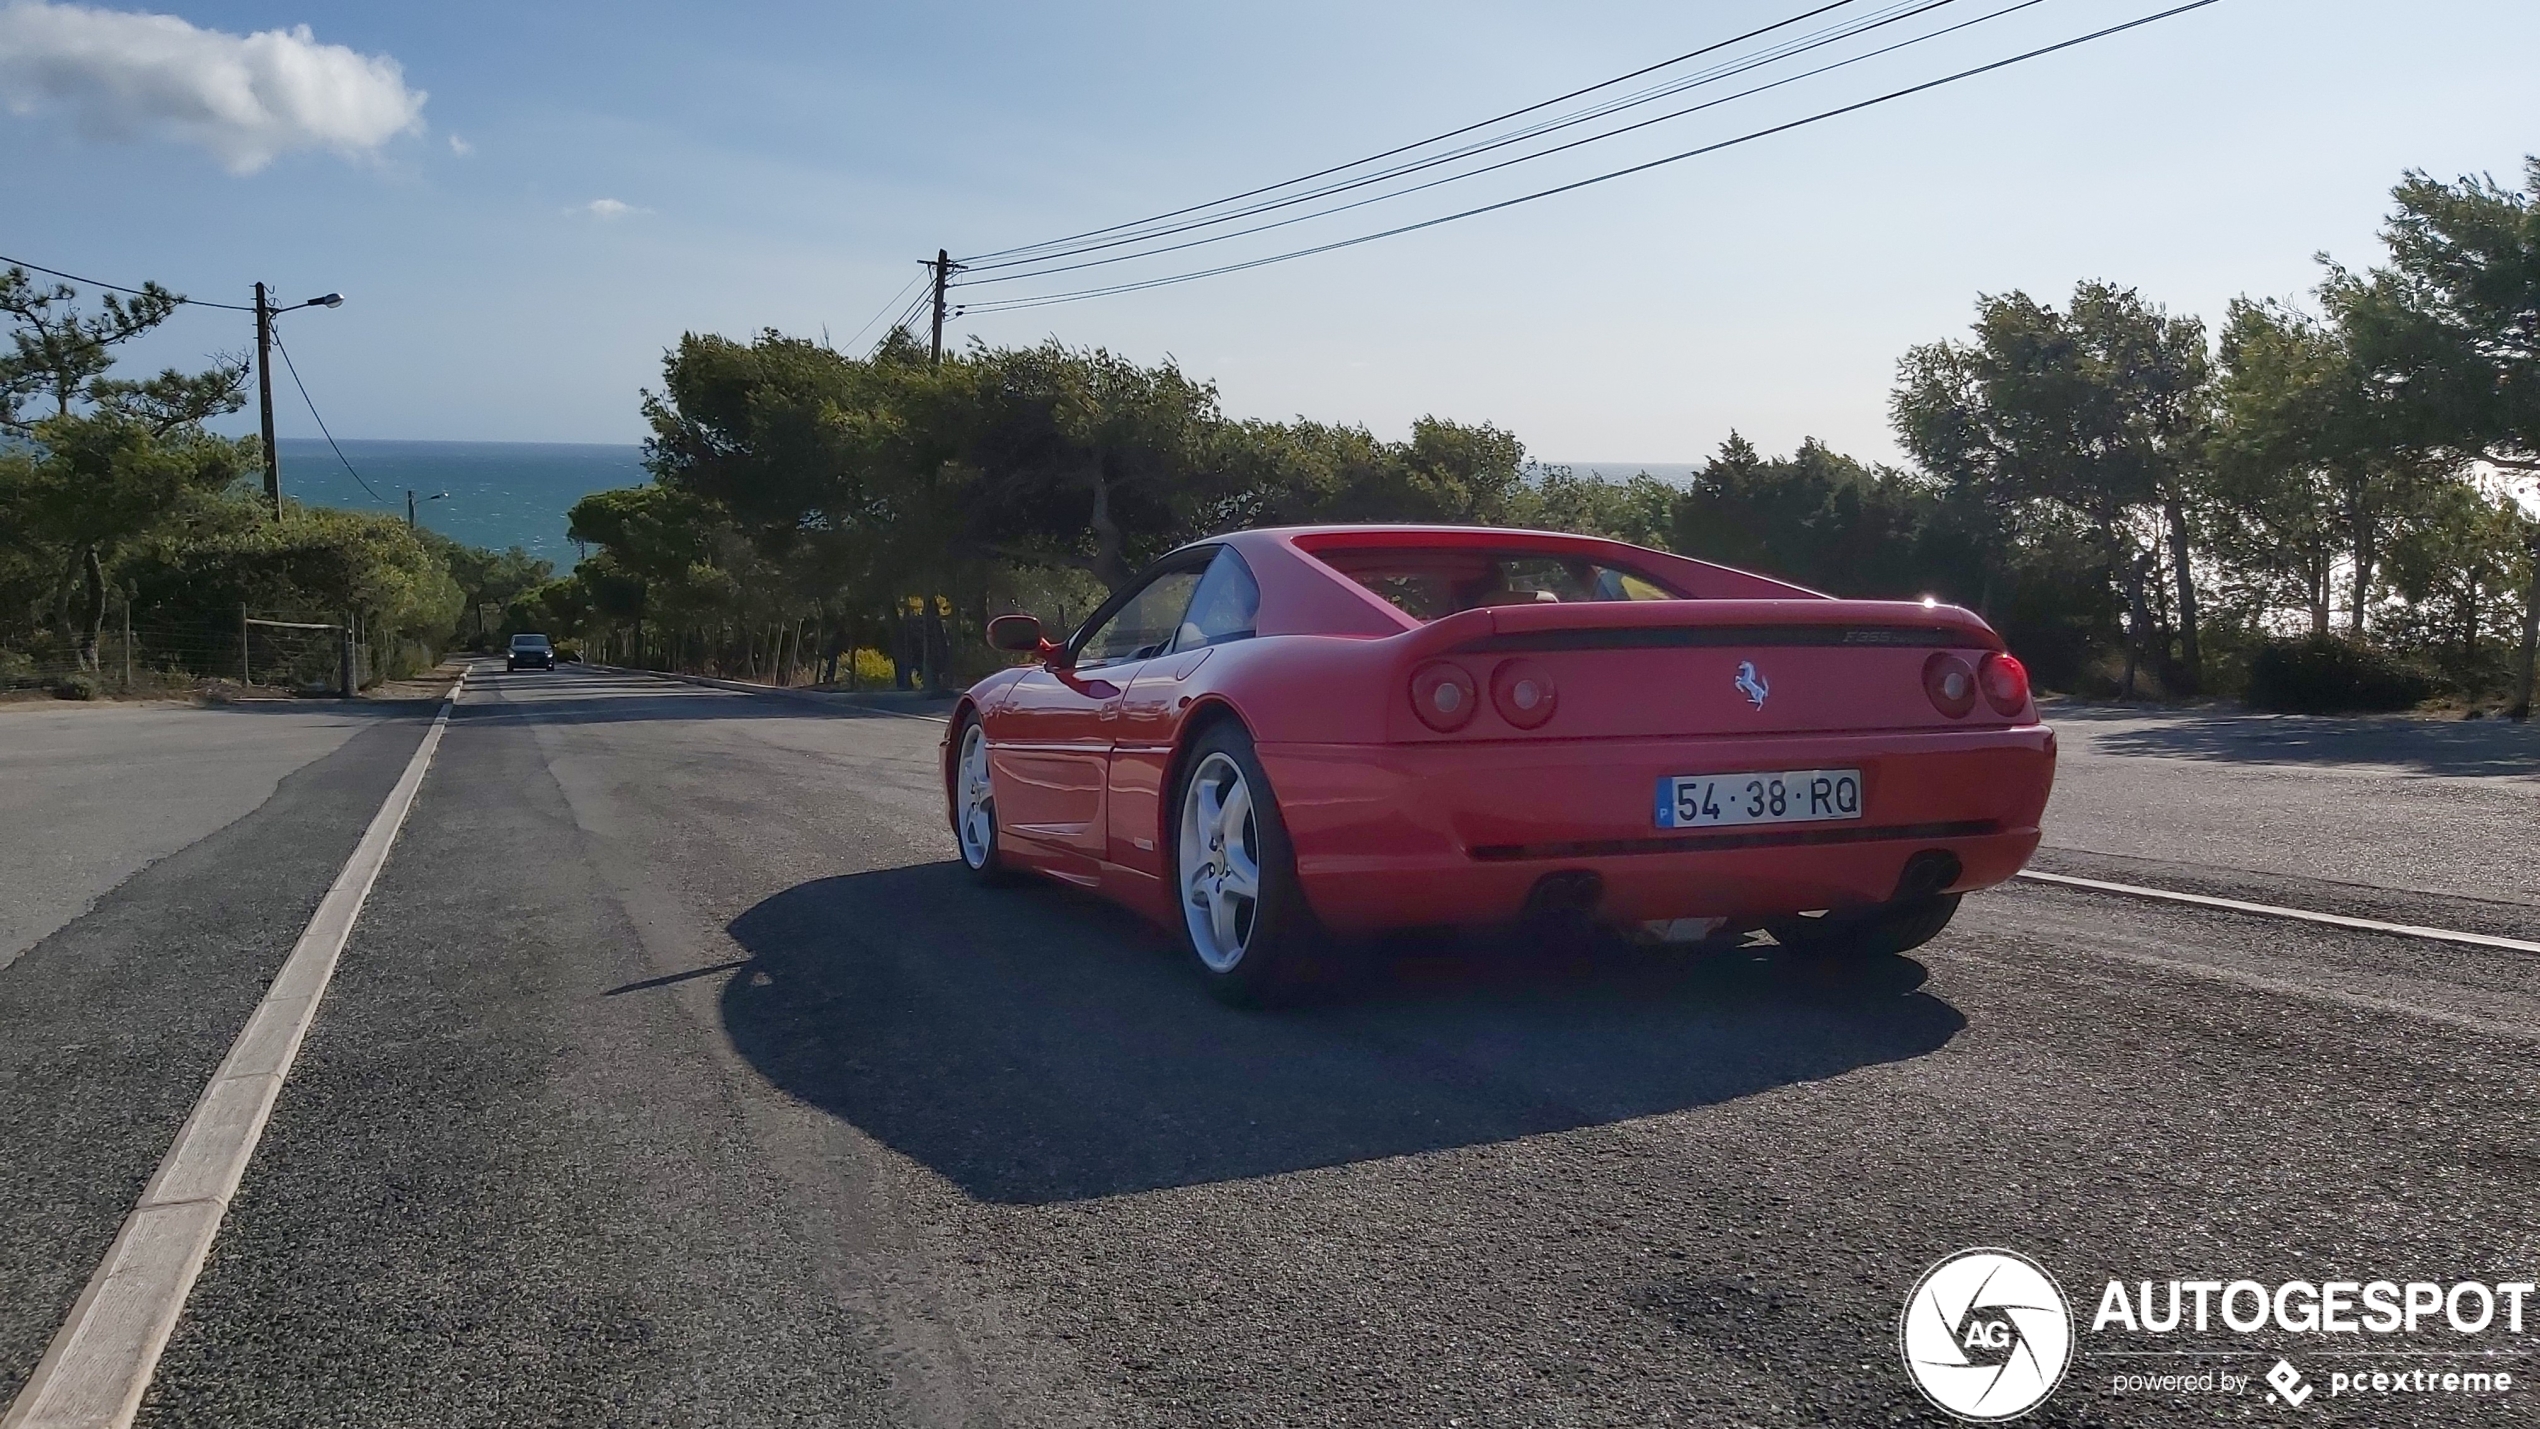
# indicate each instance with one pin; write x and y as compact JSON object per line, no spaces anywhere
{"x":92,"y":794}
{"x":675,"y":1076}
{"x":2446,"y":808}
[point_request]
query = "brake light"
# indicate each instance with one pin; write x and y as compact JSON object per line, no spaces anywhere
{"x":1442,"y":695}
{"x":1522,"y":693}
{"x":1950,"y":683}
{"x":2004,"y":681}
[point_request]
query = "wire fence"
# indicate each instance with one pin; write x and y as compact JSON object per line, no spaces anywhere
{"x":259,"y":652}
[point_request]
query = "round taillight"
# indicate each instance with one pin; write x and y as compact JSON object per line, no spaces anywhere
{"x":1951,"y":683}
{"x":1522,"y":693}
{"x":2004,"y":681}
{"x":1442,"y":695}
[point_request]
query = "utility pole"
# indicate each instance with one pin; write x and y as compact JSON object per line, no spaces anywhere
{"x":943,"y":273}
{"x":264,"y":394}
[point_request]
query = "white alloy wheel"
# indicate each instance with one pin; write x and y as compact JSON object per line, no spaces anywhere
{"x":1220,"y":863}
{"x":978,"y":814}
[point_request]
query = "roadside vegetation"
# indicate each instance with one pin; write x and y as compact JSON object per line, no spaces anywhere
{"x":138,"y":552}
{"x":2311,"y":505}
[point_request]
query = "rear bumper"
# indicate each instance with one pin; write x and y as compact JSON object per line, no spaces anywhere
{"x":1396,"y":835}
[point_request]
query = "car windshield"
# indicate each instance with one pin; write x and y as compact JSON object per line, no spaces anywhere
{"x":529,"y":642}
{"x":1429,"y":582}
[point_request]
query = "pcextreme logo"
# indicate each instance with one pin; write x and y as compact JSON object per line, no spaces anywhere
{"x":1986,"y":1335}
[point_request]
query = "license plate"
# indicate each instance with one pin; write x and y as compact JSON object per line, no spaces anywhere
{"x":1788,"y":796}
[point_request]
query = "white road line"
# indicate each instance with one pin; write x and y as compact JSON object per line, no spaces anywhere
{"x":2269,"y":910}
{"x":100,"y":1362}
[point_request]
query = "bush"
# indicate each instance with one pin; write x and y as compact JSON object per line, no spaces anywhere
{"x":2328,"y":674}
{"x":873,"y":669}
{"x":75,"y":687}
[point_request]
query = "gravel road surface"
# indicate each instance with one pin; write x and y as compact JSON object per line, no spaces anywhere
{"x":676,"y":1076}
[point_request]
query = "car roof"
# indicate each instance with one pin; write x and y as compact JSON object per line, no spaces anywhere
{"x":529,"y":635}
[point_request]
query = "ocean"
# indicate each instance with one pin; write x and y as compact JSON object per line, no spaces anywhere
{"x":500,"y":494}
{"x":1674,"y":473}
{"x":504,"y":494}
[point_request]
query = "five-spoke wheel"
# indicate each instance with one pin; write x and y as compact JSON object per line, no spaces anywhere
{"x":1234,"y":872}
{"x":1220,"y":862}
{"x":975,"y":804}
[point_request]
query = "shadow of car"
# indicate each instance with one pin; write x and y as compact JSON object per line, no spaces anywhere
{"x":1034,"y":1046}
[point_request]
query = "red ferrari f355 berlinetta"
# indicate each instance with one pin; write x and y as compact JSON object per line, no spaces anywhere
{"x":1278,"y":733}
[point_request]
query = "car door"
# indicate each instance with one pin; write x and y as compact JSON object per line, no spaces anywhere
{"x":1050,"y":739}
{"x":1148,"y":717}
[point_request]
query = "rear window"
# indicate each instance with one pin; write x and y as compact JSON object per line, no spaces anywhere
{"x":1428,"y":582}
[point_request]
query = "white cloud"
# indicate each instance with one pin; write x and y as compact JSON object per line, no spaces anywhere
{"x":606,"y":208}
{"x":461,"y":147}
{"x":246,"y":98}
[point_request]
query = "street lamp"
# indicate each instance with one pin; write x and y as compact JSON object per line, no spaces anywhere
{"x":266,"y":312}
{"x":410,"y":504}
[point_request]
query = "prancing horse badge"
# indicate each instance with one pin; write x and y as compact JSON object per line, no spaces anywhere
{"x":1751,"y":684}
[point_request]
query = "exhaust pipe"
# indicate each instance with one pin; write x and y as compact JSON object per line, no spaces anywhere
{"x":1571,"y":891}
{"x":1561,"y":910}
{"x":1927,"y":875}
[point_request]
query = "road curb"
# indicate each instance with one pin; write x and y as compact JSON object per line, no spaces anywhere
{"x":100,"y":1362}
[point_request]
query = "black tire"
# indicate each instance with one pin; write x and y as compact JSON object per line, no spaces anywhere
{"x":1879,"y":932}
{"x":980,"y":855}
{"x":1280,"y":939}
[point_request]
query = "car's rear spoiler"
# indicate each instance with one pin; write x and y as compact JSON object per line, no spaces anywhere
{"x":1662,"y":624}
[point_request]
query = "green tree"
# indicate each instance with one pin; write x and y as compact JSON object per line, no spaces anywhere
{"x":203,"y":564}
{"x":2449,"y":330}
{"x":2289,"y":459}
{"x":490,"y":578}
{"x":2101,"y":409}
{"x":1640,"y":510}
{"x":1816,"y":517}
{"x":1080,"y":457}
{"x":110,"y":458}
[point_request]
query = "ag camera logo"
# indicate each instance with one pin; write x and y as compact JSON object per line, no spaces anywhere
{"x":1986,"y":1335}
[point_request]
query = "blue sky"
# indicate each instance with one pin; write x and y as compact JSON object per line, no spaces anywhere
{"x":785,"y":165}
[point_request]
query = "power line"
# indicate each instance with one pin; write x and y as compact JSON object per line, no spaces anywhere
{"x":886,"y":307}
{"x":120,"y":288}
{"x":1432,"y":139}
{"x":1043,"y":300}
{"x":900,"y":324}
{"x":907,"y":315}
{"x":1540,"y":153}
{"x":1729,"y":69}
{"x":293,"y":369}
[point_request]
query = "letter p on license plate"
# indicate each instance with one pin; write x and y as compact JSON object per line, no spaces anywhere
{"x":1789,"y":796}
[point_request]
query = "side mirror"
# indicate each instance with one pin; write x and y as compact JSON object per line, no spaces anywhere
{"x":1022,"y":634}
{"x":1015,"y":632}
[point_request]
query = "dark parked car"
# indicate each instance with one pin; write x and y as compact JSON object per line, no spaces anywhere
{"x":531,"y":652}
